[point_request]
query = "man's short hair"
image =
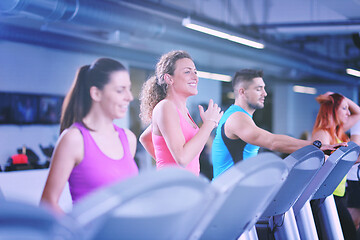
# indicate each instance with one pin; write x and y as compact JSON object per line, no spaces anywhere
{"x":246,"y":75}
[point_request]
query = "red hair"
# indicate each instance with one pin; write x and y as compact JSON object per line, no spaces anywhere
{"x":327,"y":118}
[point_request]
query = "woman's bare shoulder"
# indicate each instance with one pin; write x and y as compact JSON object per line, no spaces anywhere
{"x":70,"y":146}
{"x":71,"y":136}
{"x":164,"y":106}
{"x":321,"y":135}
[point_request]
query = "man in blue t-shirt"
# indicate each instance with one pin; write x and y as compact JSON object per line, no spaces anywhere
{"x":237,"y":136}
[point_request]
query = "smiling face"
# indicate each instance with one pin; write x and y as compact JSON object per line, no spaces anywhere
{"x":255,"y":93}
{"x":185,"y":79}
{"x":343,"y":112}
{"x":116,"y":95}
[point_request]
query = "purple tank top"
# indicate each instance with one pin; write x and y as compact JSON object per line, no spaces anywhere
{"x":98,"y":170}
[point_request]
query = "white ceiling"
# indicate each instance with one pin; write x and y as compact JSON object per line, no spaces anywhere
{"x":305,"y":39}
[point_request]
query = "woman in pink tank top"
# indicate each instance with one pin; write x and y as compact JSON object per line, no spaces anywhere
{"x":173,"y":138}
{"x":92,"y":152}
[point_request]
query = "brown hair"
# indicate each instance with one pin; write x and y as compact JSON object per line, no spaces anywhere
{"x":155,"y":88}
{"x":245,"y":76}
{"x":77,"y":102}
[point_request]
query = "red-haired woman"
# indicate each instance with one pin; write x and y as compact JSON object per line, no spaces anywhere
{"x":336,"y":115}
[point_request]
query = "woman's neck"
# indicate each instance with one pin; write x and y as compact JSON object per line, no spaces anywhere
{"x":180,"y":102}
{"x":98,"y":122}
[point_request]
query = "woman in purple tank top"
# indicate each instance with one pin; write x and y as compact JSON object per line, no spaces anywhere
{"x":91,"y":151}
{"x":173,"y":138}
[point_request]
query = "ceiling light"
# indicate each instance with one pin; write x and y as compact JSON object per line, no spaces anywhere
{"x":214,"y":76}
{"x":353,"y":72}
{"x":303,"y":89}
{"x":187,"y":22}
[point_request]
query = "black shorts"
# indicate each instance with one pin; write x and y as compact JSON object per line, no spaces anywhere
{"x":353,"y":194}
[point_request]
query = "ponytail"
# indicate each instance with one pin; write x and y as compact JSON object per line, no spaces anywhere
{"x":152,"y":93}
{"x":77,"y":102}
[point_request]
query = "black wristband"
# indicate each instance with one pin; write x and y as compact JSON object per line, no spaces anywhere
{"x":317,"y":144}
